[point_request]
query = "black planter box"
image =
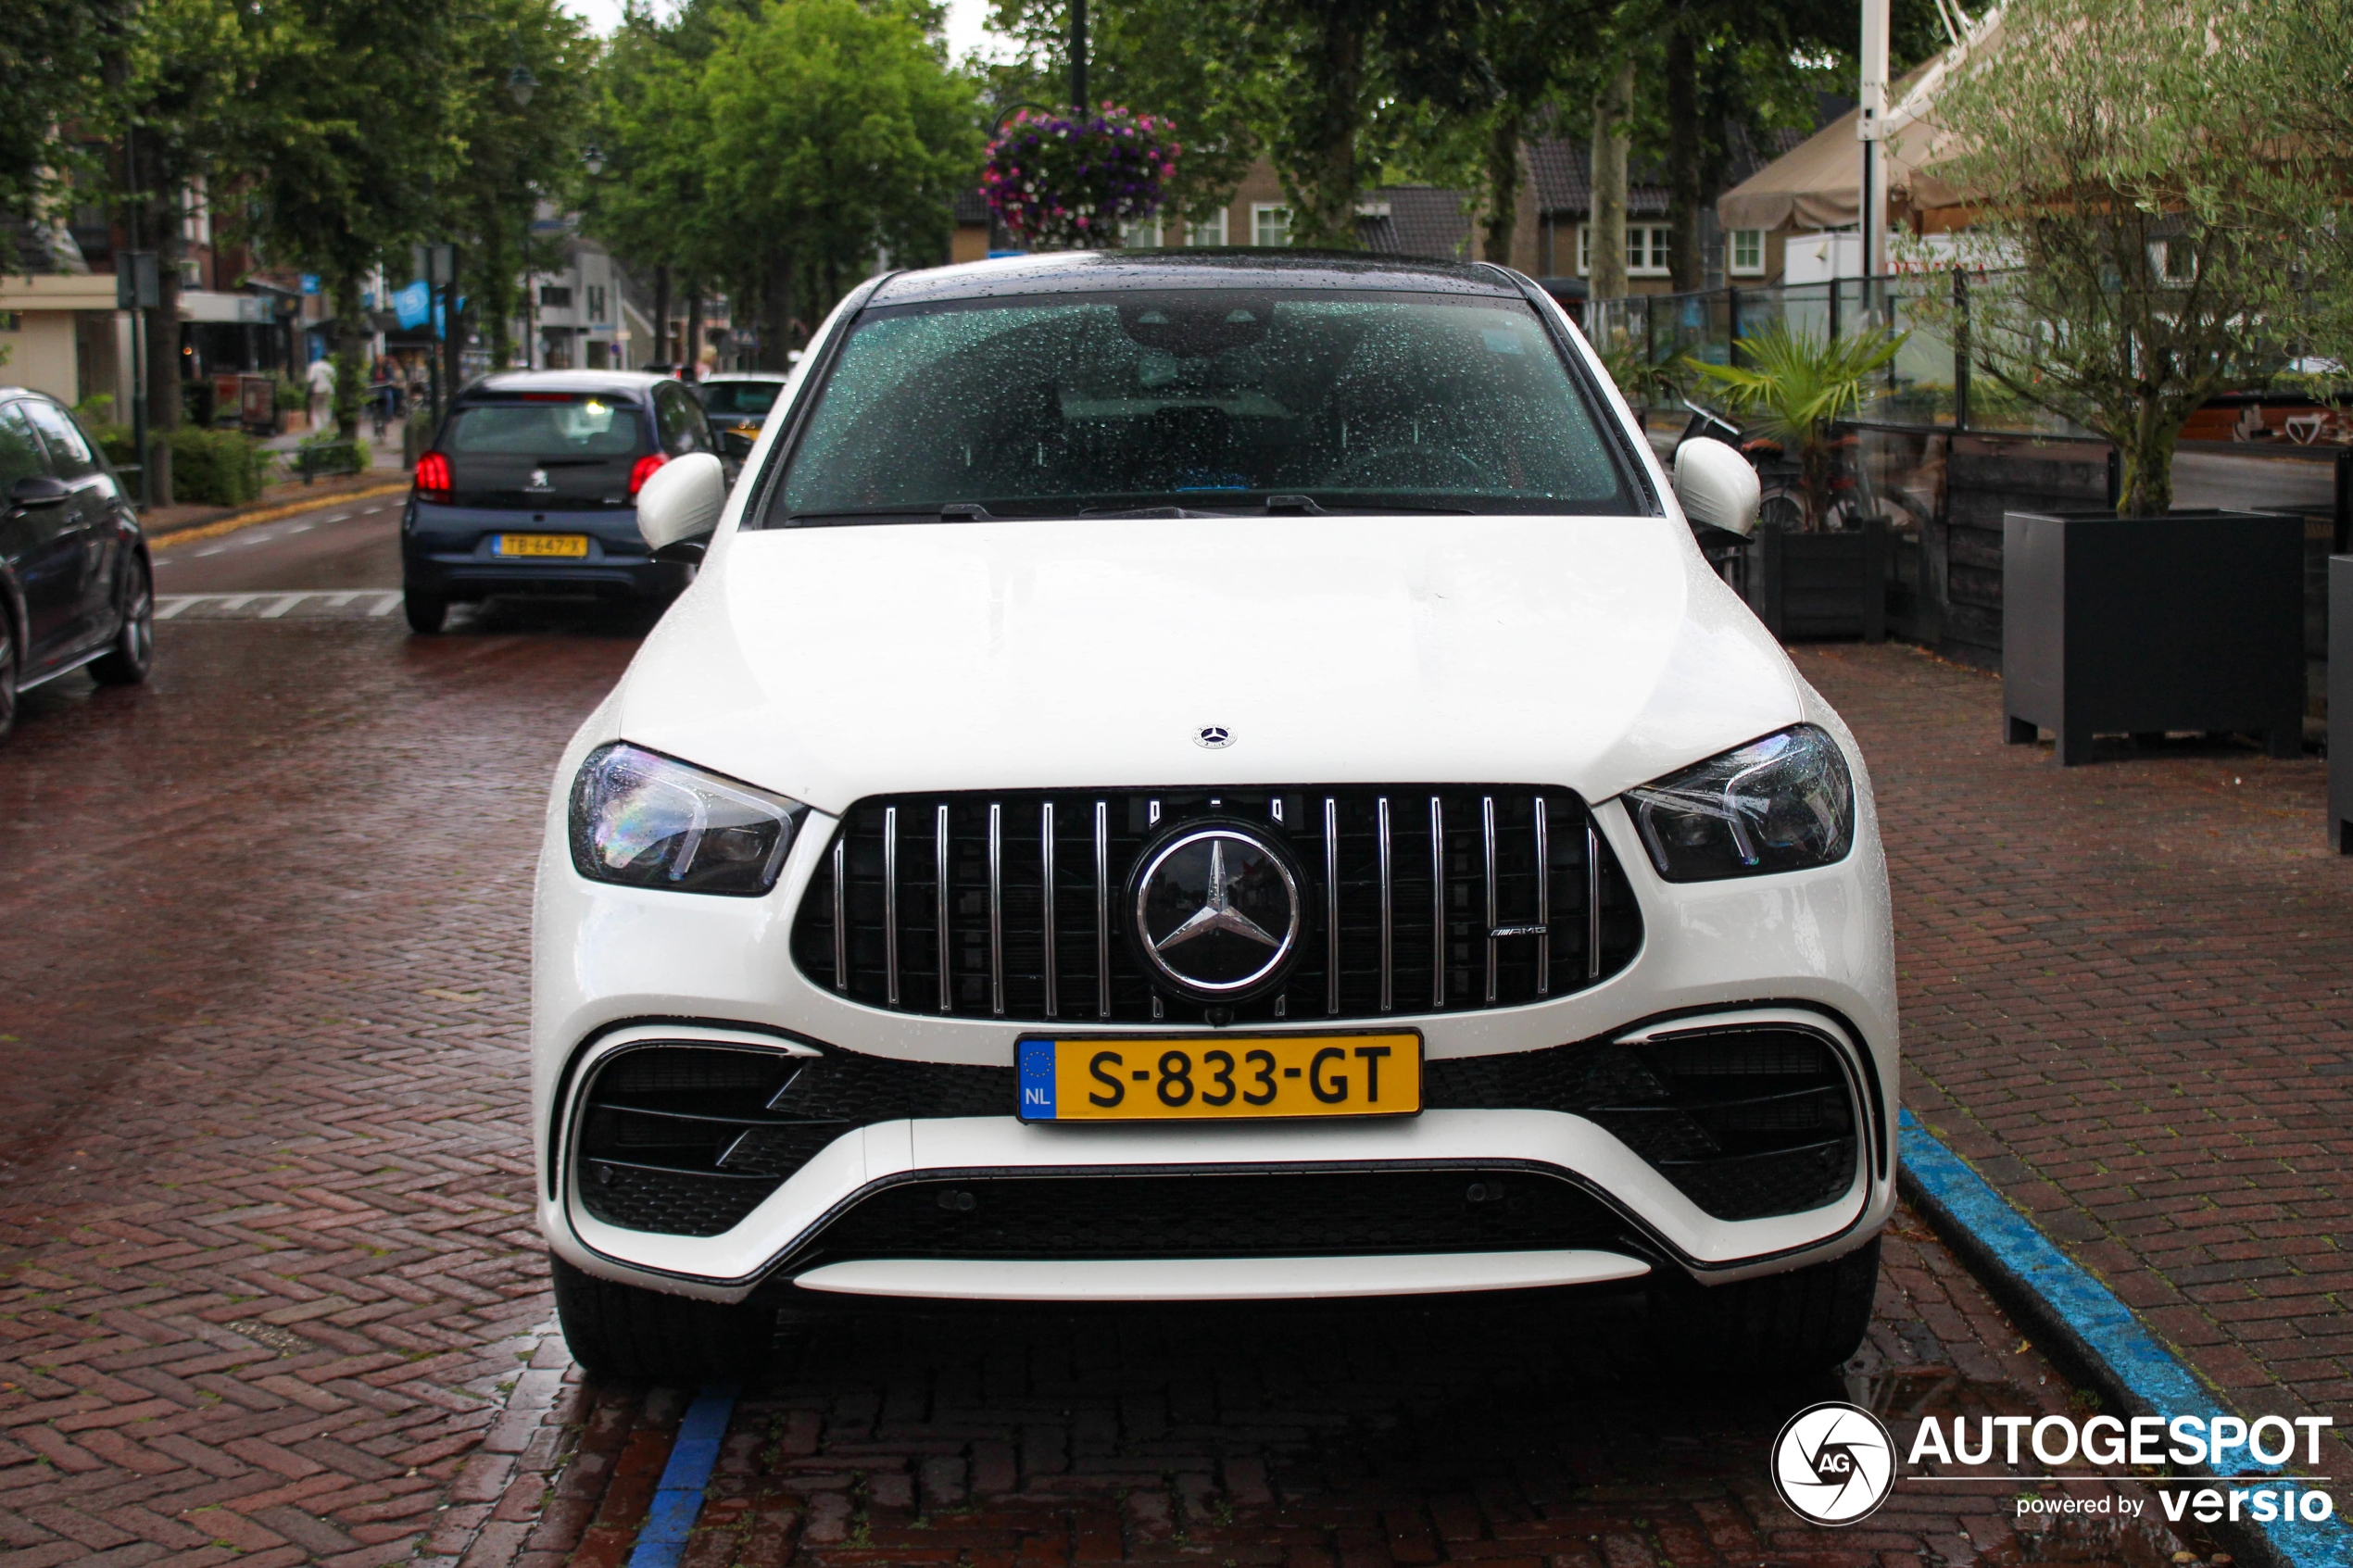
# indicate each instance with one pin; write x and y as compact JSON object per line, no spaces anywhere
{"x":1812,"y":585}
{"x":2141,"y":625}
{"x":2341,"y":703}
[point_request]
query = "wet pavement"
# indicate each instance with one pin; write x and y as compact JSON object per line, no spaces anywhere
{"x":270,"y":1291}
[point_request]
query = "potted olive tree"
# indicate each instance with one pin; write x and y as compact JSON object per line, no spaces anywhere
{"x":2129,"y":266}
{"x":1808,"y":578}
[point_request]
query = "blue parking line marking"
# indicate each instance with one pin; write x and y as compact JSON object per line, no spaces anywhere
{"x":678,"y":1498}
{"x":1037,"y":1080}
{"x":2110,"y":1329}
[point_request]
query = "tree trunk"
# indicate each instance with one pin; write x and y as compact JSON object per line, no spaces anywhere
{"x":776,"y":313}
{"x":349,"y":335}
{"x":1605,"y":224}
{"x":497,"y":311}
{"x":692,"y":348}
{"x":1683,"y":173}
{"x":1503,"y":136}
{"x":2145,"y":458}
{"x":1324,"y":187}
{"x":661,"y":355}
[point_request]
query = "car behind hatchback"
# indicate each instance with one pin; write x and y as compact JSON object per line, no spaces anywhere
{"x":738,"y":403}
{"x":530,"y":486}
{"x":1207,"y":778}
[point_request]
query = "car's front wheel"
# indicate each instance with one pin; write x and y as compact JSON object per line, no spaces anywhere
{"x":426,"y":612}
{"x":1807,"y":1321}
{"x":626,"y":1331}
{"x":134,"y":654}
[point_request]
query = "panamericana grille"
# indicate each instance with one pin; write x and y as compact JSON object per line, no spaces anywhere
{"x":1746,"y":1120}
{"x":1419,"y":899}
{"x":1278,"y":1214}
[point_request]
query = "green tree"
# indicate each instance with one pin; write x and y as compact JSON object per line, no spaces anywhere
{"x":2146,"y":264}
{"x":834,"y":132}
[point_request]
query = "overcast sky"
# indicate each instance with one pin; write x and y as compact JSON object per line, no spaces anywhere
{"x":967,"y":19}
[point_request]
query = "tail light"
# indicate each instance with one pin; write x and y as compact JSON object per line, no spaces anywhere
{"x":644,"y":470}
{"x":433,"y":478}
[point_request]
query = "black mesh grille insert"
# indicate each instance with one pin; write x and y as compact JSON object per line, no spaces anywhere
{"x":1746,"y":1121}
{"x":1254,"y":1214}
{"x":688,"y":1139}
{"x":1475,"y":917}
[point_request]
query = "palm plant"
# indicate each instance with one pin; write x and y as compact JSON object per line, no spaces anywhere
{"x":1799,"y":384}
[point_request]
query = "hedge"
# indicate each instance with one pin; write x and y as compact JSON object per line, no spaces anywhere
{"x":216,"y":468}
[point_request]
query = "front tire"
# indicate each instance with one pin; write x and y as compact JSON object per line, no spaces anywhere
{"x":1803,"y":1323}
{"x":426,"y":612}
{"x":626,"y":1331}
{"x":134,"y":654}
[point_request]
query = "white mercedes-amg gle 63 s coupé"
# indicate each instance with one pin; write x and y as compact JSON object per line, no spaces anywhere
{"x":1205,"y":776}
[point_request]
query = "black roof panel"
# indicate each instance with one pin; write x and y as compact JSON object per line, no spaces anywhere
{"x":619,"y":381}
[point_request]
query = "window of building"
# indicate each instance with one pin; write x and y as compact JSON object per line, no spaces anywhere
{"x":1269,"y":223}
{"x":1209,"y":233}
{"x":1143,"y":234}
{"x":596,"y":355}
{"x":2176,"y":259}
{"x":1645,"y":250}
{"x":597,"y":304}
{"x":1748,"y":252}
{"x":555,"y":296}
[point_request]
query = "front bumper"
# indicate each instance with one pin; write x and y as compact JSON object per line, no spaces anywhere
{"x":1810,"y":949}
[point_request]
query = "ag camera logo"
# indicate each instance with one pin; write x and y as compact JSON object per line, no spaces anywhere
{"x":1833,"y":1463}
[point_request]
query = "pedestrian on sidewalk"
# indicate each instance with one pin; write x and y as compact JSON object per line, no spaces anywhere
{"x":322,"y":393}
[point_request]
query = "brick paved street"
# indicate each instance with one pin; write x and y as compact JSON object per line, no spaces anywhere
{"x":267,"y":1257}
{"x":1513,"y":1433}
{"x":268,"y":1274}
{"x":2128,"y":998}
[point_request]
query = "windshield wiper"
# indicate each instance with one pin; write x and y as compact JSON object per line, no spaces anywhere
{"x":954,"y":511}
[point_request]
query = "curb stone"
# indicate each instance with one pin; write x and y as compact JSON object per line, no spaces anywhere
{"x":2098,"y":1340}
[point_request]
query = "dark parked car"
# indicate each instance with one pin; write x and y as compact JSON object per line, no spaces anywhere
{"x":76,"y":588}
{"x":738,"y":403}
{"x":531,"y":488}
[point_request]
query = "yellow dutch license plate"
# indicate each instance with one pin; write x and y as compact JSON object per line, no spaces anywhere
{"x":1223,"y":1077}
{"x":568,"y":544}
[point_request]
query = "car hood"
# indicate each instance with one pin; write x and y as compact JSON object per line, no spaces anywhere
{"x":834,"y":663}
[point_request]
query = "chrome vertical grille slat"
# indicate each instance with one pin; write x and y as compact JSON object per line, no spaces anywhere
{"x":942,"y":896}
{"x":1046,"y":905}
{"x":1388,"y":913}
{"x":1103,"y":906}
{"x":997,"y":908}
{"x":1487,"y":842}
{"x":1436,"y":902}
{"x":890,"y":897}
{"x":999,"y":925}
{"x":1543,"y":901}
{"x":1331,"y":906}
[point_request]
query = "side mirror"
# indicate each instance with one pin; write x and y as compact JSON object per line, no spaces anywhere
{"x":38,"y":490}
{"x":1717,"y":485}
{"x":681,"y":501}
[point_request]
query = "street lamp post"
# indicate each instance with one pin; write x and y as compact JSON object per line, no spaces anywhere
{"x":1871,"y":117}
{"x":521,"y":85}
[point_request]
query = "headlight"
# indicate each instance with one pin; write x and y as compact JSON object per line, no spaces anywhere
{"x":1780,"y":804}
{"x":644,"y":820}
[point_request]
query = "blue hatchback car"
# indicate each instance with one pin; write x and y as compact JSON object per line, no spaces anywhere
{"x":531,"y":488}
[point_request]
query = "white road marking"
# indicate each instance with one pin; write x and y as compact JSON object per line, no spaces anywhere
{"x":283,"y":606}
{"x":213,"y":551}
{"x":170,"y":605}
{"x":336,"y":601}
{"x":232,"y":602}
{"x":386,"y":605}
{"x":307,"y":527}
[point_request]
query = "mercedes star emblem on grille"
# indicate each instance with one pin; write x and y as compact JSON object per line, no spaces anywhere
{"x":1217,"y":910}
{"x":1214,"y":736}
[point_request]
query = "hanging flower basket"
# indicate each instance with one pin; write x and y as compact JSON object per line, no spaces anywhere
{"x":1076,"y":184}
